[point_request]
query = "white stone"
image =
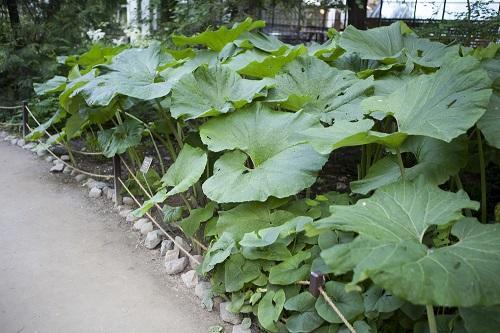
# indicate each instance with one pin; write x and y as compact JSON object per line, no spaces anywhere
{"x":65,"y":158}
{"x":57,"y":168}
{"x":95,"y":192}
{"x":131,"y":218}
{"x":190,"y":278}
{"x":80,"y":177}
{"x":14,"y":141}
{"x":193,"y":264}
{"x":128,"y":201}
{"x":41,"y":152}
{"x":240,"y":329}
{"x":182,"y":243}
{"x":176,"y":266}
{"x":67,"y":170}
{"x":153,"y":238}
{"x":125,"y":211}
{"x":111,"y":194}
{"x":171,"y":255}
{"x":90,"y":182}
{"x":139,"y":223}
{"x":29,"y":145}
{"x":203,"y":290}
{"x":100,"y":185}
{"x":147,"y":227}
{"x":21,"y":142}
{"x":227,"y":316}
{"x":49,"y":158}
{"x":166,"y":245}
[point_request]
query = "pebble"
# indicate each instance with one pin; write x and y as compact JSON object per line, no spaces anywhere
{"x":74,"y":172}
{"x":179,"y":240}
{"x":95,"y":192}
{"x":171,"y":255}
{"x":240,"y":329}
{"x":125,"y":211}
{"x":111,"y":194}
{"x":203,"y":290}
{"x":193,"y":264}
{"x":100,"y":185}
{"x":59,"y":150}
{"x":13,"y":141}
{"x":90,"y":182}
{"x":131,"y":217}
{"x":65,"y":158}
{"x":80,"y":177}
{"x":57,"y":168}
{"x":41,"y":152}
{"x":128,"y":201}
{"x":21,"y":142}
{"x":139,"y":223}
{"x":105,"y":191}
{"x":67,"y":170}
{"x":176,"y":266}
{"x":29,"y":145}
{"x":229,"y":317}
{"x":190,"y":278}
{"x":49,"y":158}
{"x":147,"y":227}
{"x":166,"y":245}
{"x":153,"y":238}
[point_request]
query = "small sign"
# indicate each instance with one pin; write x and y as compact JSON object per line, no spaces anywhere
{"x":146,"y":164}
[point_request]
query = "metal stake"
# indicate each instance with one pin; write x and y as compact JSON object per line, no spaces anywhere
{"x":317,"y":280}
{"x":117,"y":173}
{"x":25,"y":118}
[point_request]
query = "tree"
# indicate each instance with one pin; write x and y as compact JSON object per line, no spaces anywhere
{"x":356,"y":13}
{"x":13,"y":15}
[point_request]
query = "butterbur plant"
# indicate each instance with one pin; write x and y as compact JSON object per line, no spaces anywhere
{"x":248,"y":123}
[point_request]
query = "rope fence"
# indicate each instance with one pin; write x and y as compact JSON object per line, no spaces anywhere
{"x":317,"y":280}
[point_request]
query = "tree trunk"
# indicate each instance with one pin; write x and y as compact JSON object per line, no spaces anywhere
{"x":13,"y":15}
{"x":357,"y":13}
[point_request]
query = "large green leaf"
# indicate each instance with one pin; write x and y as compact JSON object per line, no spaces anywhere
{"x":216,"y":40}
{"x":490,"y":122}
{"x":268,"y":236}
{"x":39,"y":131}
{"x":436,"y":160}
{"x":313,"y":85}
{"x":270,"y":308}
{"x":345,"y":133}
{"x":57,"y":83}
{"x":118,"y":139}
{"x":389,"y":43}
{"x":350,"y":304}
{"x":218,"y":252}
{"x":481,"y":319}
{"x":210,"y":91}
{"x":191,"y":224}
{"x":390,"y":249}
{"x":291,"y":269}
{"x":239,"y":271}
{"x":442,"y":105}
{"x":186,"y":170}
{"x":260,"y":64}
{"x":133,"y":73}
{"x":261,"y":41}
{"x":250,"y":217}
{"x":280,"y":164}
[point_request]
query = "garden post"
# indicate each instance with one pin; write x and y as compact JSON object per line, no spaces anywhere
{"x":25,"y":118}
{"x":117,"y":174}
{"x":316,"y":281}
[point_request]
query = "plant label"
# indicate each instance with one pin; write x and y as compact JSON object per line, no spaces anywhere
{"x":146,"y":164}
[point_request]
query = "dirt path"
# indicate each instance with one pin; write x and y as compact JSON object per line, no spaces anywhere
{"x":68,"y":264}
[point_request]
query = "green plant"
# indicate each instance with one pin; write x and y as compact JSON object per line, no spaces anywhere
{"x":248,"y":123}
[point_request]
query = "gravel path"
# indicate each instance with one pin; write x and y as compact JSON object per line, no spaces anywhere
{"x":69,"y":264}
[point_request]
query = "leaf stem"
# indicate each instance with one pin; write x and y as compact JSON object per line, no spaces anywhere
{"x":482,"y":167}
{"x":460,"y":186}
{"x":431,"y":319}
{"x":401,"y":165}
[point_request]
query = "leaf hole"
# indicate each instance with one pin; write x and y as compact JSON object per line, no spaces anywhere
{"x":341,"y":94}
{"x":303,"y":69}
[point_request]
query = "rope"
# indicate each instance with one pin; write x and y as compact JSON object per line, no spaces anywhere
{"x":73,"y":167}
{"x":186,"y":252}
{"x":194,"y":240}
{"x":337,"y":311}
{"x":11,"y":107}
{"x":86,"y":153}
